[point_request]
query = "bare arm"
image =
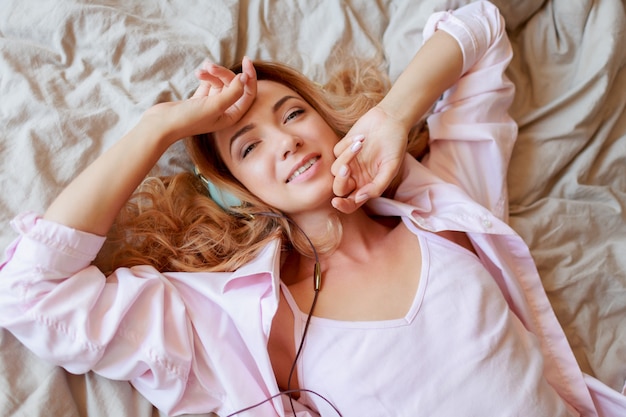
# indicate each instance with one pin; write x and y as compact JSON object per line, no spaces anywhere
{"x":435,"y":67}
{"x":93,"y":199}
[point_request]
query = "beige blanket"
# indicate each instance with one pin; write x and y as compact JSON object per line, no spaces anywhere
{"x":74,"y":76}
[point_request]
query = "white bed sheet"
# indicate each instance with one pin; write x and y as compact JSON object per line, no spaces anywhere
{"x":75,"y":75}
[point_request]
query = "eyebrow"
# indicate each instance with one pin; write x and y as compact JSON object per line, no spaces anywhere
{"x":251,"y":126}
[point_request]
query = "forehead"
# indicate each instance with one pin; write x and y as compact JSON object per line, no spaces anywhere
{"x":266,"y":88}
{"x":268,"y":94}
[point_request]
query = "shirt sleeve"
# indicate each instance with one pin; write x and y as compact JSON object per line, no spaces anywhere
{"x":471,"y":132}
{"x":131,"y":325}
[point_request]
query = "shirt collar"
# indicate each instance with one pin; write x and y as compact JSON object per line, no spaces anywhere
{"x":419,"y":203}
{"x":264,"y":267}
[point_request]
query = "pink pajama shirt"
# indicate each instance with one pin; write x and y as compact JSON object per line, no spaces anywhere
{"x":197,"y":342}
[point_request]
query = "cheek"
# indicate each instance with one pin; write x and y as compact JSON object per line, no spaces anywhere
{"x":328,"y":133}
{"x":257,"y":177}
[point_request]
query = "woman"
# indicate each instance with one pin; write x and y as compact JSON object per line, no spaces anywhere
{"x":428,"y":303}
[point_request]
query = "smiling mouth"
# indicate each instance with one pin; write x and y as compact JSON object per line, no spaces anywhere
{"x":308,"y":164}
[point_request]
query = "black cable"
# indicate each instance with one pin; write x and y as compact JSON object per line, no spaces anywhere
{"x":295,"y":360}
{"x":286,"y":392}
{"x":316,"y":287}
{"x":317,"y":283}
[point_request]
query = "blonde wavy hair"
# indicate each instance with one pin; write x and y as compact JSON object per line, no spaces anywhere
{"x":172,"y":224}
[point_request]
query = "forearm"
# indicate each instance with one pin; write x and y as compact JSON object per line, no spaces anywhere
{"x":434,"y":68}
{"x":92,"y":201}
{"x":94,"y":198}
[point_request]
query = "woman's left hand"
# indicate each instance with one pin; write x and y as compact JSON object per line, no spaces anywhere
{"x":368,"y":158}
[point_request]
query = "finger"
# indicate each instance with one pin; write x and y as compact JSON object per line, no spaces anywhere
{"x":346,"y":142}
{"x":248,"y":77}
{"x":216,"y":77}
{"x":223,"y":74}
{"x":206,"y":76}
{"x":239,"y":99}
{"x":343,"y":184}
{"x":204,"y":86}
{"x":247,"y":67}
{"x":216,"y":84}
{"x":345,"y":205}
{"x":202,"y":90}
{"x":220,"y":77}
{"x":209,"y":84}
{"x":229,"y":96}
{"x":347,"y":155}
{"x":377,"y":186}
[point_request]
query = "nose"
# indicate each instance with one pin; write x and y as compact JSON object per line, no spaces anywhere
{"x":289,"y":144}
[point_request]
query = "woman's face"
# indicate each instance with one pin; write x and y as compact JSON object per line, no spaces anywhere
{"x":281,"y":150}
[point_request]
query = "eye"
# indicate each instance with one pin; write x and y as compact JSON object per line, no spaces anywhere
{"x":293,"y":114}
{"x":247,"y":149}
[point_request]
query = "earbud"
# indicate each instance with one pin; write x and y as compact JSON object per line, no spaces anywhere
{"x":227,"y":201}
{"x":223,"y":198}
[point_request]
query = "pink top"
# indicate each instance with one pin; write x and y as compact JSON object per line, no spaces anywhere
{"x":197,"y":342}
{"x":458,"y":340}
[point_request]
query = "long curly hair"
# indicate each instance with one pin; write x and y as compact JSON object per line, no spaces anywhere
{"x":171,"y":223}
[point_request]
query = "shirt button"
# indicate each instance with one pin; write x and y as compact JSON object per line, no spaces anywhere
{"x":487,"y":223}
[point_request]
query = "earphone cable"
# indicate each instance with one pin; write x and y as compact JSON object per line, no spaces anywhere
{"x":286,"y":392}
{"x":317,"y":282}
{"x":295,"y":360}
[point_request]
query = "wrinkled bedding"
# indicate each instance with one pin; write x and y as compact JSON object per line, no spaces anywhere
{"x":75,"y":75}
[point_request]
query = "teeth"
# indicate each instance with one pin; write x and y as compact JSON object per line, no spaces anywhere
{"x":303,"y":168}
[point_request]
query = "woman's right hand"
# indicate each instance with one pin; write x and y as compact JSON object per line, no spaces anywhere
{"x":220,"y":100}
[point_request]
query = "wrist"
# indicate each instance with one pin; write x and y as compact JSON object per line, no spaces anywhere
{"x":397,"y":110}
{"x":434,"y":68}
{"x":156,"y":127}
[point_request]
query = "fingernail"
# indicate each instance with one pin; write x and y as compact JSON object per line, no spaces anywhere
{"x":356,"y":146}
{"x":243,"y":78}
{"x":343,"y":171}
{"x":358,"y":138}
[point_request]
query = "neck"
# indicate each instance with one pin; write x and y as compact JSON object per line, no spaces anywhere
{"x":361,"y":234}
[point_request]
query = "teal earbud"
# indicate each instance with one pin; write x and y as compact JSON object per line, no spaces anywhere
{"x":227,"y":201}
{"x":223,"y":198}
